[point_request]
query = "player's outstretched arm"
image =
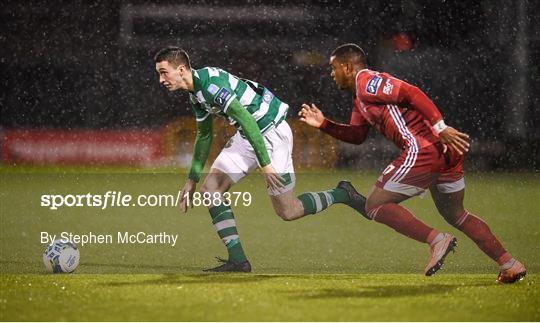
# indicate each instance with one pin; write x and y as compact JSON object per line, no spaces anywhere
{"x":354,"y":133}
{"x":252,"y":132}
{"x":201,"y":149}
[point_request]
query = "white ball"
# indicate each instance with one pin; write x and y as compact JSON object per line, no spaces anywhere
{"x":61,"y":257}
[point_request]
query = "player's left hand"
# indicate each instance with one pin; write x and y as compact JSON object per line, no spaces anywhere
{"x":273,"y":179}
{"x":454,"y":139}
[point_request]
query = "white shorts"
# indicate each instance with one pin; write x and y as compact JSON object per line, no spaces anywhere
{"x":238,"y":158}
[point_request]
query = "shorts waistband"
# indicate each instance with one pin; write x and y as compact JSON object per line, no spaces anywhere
{"x":271,"y":126}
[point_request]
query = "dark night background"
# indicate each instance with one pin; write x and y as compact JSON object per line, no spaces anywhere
{"x":73,"y":64}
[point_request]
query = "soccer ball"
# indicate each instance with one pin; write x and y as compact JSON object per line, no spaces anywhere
{"x":61,"y":257}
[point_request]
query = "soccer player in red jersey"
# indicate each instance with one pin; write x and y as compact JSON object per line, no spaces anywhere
{"x":431,"y":158}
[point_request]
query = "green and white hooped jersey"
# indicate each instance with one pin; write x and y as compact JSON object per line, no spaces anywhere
{"x":215,"y":89}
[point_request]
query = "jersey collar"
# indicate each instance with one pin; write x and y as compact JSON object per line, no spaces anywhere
{"x":356,"y":79}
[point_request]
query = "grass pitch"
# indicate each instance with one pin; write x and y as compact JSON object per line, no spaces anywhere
{"x":335,"y":266}
{"x":268,"y":297}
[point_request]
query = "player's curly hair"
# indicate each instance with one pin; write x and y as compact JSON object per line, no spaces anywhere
{"x":352,"y":53}
{"x":174,"y":55}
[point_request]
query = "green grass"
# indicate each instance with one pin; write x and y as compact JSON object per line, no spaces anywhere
{"x":335,"y":266}
{"x":328,"y":297}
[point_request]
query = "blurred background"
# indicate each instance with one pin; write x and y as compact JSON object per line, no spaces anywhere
{"x":79,"y":87}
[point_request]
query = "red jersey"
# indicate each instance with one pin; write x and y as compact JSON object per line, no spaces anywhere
{"x":405,"y":115}
{"x":400,"y":111}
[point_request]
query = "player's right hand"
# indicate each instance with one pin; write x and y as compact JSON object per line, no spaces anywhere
{"x":186,"y":194}
{"x":311,"y":115}
{"x":273,"y":179}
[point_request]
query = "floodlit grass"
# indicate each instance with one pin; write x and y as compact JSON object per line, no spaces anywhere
{"x":328,"y":297}
{"x":335,"y":266}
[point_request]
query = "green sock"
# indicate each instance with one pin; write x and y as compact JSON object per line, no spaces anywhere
{"x":315,"y":202}
{"x":223,"y":220}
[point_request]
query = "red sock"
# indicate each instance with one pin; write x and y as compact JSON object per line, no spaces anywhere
{"x":401,"y":220}
{"x":479,"y":232}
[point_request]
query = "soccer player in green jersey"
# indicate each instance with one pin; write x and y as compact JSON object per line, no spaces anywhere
{"x":264,"y":139}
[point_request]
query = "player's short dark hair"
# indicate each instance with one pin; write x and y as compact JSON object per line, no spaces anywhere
{"x":174,"y":55}
{"x":350,"y":53}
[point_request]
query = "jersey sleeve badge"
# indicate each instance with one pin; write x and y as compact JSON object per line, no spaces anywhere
{"x":373,"y":84}
{"x":222,"y":97}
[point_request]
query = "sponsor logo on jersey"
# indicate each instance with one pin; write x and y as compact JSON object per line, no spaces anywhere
{"x":388,"y":87}
{"x":213,"y":89}
{"x":373,"y":84}
{"x":222,"y":97}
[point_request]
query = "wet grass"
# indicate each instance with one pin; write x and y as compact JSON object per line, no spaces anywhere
{"x":335,"y":266}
